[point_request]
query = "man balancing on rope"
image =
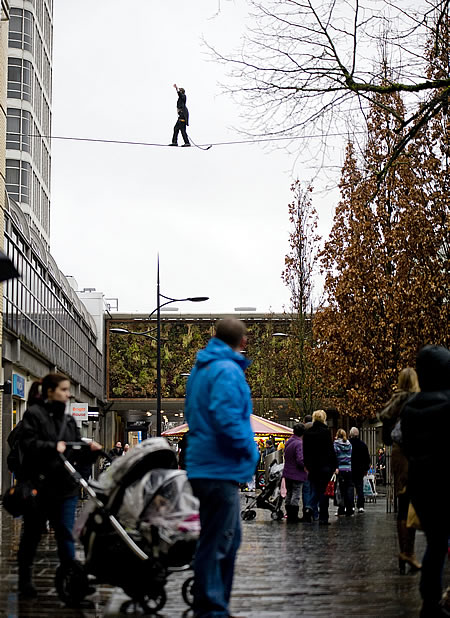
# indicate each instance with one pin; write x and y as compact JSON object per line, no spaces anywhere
{"x":183,"y":118}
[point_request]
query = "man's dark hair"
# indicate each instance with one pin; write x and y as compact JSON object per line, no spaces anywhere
{"x":230,"y":331}
{"x":299,"y":429}
{"x":308,"y":418}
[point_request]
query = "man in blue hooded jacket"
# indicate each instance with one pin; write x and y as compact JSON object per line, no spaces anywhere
{"x":221,"y":453}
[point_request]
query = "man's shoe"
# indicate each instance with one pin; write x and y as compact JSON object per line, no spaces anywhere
{"x":173,"y":144}
{"x":185,"y":145}
{"x":27,"y":591}
{"x":307,"y":516}
{"x":361,"y":510}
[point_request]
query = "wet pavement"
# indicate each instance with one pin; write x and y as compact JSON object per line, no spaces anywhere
{"x":347,"y":568}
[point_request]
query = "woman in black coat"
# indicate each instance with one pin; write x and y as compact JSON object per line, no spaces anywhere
{"x":46,"y":429}
{"x":426,"y":433}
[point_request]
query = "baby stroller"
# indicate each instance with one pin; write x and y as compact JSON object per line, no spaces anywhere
{"x":141,"y":524}
{"x":270,"y":497}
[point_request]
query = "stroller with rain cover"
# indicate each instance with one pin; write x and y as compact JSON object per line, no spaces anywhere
{"x":140,"y":524}
{"x":270,"y":498}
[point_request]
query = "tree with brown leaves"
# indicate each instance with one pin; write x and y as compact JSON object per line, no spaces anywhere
{"x":386,"y":261}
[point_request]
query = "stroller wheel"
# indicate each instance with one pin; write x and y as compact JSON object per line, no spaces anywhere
{"x":187,"y":591}
{"x":154,"y":604}
{"x":71,"y":583}
{"x":149,"y":605}
{"x":248,"y":515}
{"x":277,"y":515}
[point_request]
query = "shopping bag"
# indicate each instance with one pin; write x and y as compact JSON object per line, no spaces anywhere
{"x":413,"y":520}
{"x":283,"y":490}
{"x":329,"y":491}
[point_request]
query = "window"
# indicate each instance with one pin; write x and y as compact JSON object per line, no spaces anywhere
{"x":37,"y":49}
{"x":18,"y":180}
{"x":21,"y":29}
{"x":20,"y":74}
{"x":18,"y":129}
{"x":36,"y":196}
{"x":38,"y":98}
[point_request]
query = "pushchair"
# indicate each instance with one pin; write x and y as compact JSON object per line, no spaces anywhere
{"x":270,"y":498}
{"x":141,"y":523}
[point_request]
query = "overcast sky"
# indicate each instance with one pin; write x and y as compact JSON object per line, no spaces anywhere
{"x":219,"y":219}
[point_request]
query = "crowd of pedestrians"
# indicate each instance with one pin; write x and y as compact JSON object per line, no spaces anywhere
{"x":220,"y":454}
{"x":311,"y":458}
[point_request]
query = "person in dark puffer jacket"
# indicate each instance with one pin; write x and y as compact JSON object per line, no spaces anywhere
{"x":46,"y":429}
{"x":425,"y":425}
{"x":320,"y":462}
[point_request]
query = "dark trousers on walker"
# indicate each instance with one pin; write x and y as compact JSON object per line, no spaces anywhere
{"x":180,"y":125}
{"x":61,"y":514}
{"x":318,"y":498}
{"x":347,"y":491}
{"x":217,"y":546}
{"x":359,"y":488}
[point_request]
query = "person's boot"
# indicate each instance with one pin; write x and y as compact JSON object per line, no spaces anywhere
{"x":307,"y":516}
{"x":292,"y":514}
{"x":26,"y":588}
{"x":408,"y":555}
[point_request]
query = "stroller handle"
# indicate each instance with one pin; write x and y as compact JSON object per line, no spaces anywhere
{"x":78,"y":446}
{"x":89,"y":490}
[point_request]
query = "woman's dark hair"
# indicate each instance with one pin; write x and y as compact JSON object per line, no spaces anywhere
{"x":39,"y":389}
{"x":299,"y":429}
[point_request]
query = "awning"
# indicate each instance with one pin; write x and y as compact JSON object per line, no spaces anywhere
{"x":261,"y":427}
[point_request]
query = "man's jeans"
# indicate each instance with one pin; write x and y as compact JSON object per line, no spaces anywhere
{"x":61,"y":515}
{"x":217,"y":546}
{"x":306,"y":498}
{"x":318,"y":499}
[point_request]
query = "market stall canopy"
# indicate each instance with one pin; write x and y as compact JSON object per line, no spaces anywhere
{"x":260,"y":426}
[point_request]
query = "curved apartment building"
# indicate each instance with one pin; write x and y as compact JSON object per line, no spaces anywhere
{"x":28,"y":158}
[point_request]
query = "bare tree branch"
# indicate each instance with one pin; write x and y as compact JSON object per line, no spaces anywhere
{"x":304,"y":61}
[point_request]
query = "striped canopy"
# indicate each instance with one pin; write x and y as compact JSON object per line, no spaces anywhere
{"x":260,"y":426}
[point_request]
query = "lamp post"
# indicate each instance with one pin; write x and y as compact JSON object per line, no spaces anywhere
{"x":157,"y":310}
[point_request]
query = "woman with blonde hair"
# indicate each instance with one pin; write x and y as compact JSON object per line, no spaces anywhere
{"x":343,"y":450}
{"x":407,"y":386}
{"x":320,"y":461}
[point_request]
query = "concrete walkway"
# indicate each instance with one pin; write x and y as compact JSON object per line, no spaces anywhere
{"x":347,"y":568}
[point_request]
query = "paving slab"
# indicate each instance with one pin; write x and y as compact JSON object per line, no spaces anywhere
{"x":346,"y":569}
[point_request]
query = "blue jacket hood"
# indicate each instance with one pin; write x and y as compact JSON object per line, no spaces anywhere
{"x":218,"y":407}
{"x":219,"y":350}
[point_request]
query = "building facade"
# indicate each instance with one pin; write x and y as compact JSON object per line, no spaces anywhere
{"x":4,"y":16}
{"x":28,"y":158}
{"x":46,"y":327}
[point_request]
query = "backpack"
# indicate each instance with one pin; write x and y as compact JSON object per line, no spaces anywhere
{"x":15,"y":455}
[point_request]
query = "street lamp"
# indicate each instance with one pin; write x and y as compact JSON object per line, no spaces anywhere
{"x":169,"y":300}
{"x":123,"y":331}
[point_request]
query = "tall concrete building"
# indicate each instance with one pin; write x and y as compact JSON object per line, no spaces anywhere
{"x":4,"y":16}
{"x":45,"y":325}
{"x":28,"y":160}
